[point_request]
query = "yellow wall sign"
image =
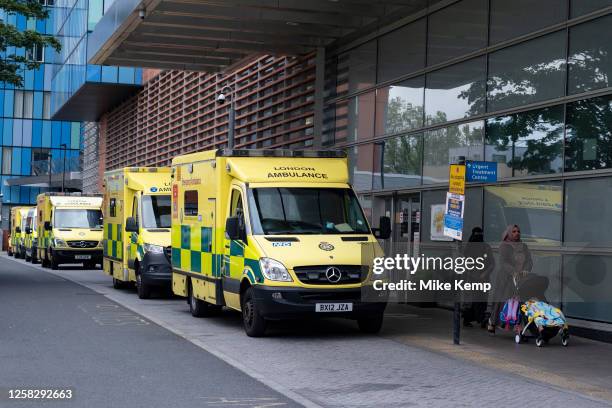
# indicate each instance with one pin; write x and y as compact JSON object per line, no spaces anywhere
{"x":456,"y":183}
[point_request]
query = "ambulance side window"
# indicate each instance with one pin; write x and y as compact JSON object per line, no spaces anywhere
{"x":236,"y":208}
{"x":135,"y":209}
{"x":112,"y":210}
{"x":191,"y":203}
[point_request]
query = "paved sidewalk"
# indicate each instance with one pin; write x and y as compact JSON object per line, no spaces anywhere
{"x":330,"y":363}
{"x":583,"y":366}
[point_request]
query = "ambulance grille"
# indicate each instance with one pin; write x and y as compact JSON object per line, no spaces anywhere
{"x":317,"y":275}
{"x":82,"y":244}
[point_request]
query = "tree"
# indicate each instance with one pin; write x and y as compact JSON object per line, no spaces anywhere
{"x":12,"y":66}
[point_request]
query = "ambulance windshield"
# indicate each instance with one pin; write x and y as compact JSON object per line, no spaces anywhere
{"x":77,"y":218}
{"x":156,"y":211}
{"x":278,"y":211}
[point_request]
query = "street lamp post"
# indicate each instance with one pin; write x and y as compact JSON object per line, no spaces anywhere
{"x":50,"y":168}
{"x":64,"y":147}
{"x":232,"y":113}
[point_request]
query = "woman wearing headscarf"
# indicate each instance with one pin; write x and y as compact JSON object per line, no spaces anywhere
{"x":515,"y":263}
{"x":474,"y":309}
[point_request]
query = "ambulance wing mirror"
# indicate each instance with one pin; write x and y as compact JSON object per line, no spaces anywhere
{"x":384,"y":228}
{"x":233,"y":228}
{"x":131,"y":225}
{"x":28,"y":230}
{"x":48,"y":226}
{"x":18,"y":230}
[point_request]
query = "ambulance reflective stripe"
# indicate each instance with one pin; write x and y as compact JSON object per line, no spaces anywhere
{"x":192,"y":251}
{"x":114,"y":244}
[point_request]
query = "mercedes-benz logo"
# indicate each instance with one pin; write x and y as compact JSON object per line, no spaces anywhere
{"x":333,"y":274}
{"x":82,"y":244}
{"x":326,"y":246}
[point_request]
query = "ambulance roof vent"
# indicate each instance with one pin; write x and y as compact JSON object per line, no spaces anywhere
{"x":329,"y":154}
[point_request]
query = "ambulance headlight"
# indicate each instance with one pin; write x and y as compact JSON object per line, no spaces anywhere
{"x":274,"y":270}
{"x":59,"y":242}
{"x":154,"y":249}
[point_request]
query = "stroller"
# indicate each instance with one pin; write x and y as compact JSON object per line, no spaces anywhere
{"x":531,"y":316}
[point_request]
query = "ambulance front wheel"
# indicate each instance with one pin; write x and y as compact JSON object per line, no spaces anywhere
{"x":254,"y":324}
{"x":370,"y":323}
{"x":143,"y":290}
{"x":54,"y":262}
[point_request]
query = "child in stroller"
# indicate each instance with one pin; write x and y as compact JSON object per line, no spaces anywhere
{"x":533,"y":314}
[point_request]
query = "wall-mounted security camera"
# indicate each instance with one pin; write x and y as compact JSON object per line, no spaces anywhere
{"x":221,"y":98}
{"x":141,"y":13}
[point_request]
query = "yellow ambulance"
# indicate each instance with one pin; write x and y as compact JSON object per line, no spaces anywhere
{"x":31,"y":236}
{"x":69,"y":229}
{"x":137,"y":227}
{"x":274,"y":234}
{"x":18,"y":215}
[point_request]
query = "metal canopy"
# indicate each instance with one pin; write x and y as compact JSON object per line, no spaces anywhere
{"x":211,"y":35}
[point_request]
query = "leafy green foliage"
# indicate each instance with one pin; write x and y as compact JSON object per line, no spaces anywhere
{"x":12,"y":66}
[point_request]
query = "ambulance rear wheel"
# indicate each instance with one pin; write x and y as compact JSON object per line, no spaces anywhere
{"x":197,"y":307}
{"x":370,"y":324}
{"x":117,"y":284}
{"x":44,"y":261}
{"x":254,"y":324}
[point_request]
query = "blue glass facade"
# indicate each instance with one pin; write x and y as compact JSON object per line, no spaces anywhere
{"x":73,"y":21}
{"x":27,"y":135}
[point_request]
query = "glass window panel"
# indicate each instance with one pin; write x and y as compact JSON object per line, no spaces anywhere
{"x":47,"y":105}
{"x":590,"y":55}
{"x":399,"y":107}
{"x":16,"y":170}
{"x":526,"y":73}
{"x":534,"y":207}
{"x":17,"y":132}
{"x":8,"y":103}
{"x":588,"y":228}
{"x":109,"y":74}
{"x":455,"y":92}
{"x":587,"y":283}
{"x":354,"y":119}
{"x":401,"y":159}
{"x":7,"y":158}
{"x":18,"y":104}
{"x":361,"y":166}
{"x":580,"y":7}
{"x":95,"y":13}
{"x":356,"y":69}
{"x":94,"y":73}
{"x":38,"y":105}
{"x":7,"y":132}
{"x":588,"y":144}
{"x":27,"y":133}
{"x":402,"y":51}
{"x":28,"y":104}
{"x":457,"y":30}
{"x":445,"y":146}
{"x":528,"y":142}
{"x":126,"y":75}
{"x":511,"y":19}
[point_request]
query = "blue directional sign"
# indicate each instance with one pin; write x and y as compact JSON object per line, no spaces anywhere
{"x":453,"y":226}
{"x":481,"y":171}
